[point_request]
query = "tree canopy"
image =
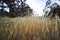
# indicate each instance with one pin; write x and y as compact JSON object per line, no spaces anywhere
{"x":14,"y":8}
{"x":54,"y":9}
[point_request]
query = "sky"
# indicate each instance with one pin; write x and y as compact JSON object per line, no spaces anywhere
{"x":38,"y":5}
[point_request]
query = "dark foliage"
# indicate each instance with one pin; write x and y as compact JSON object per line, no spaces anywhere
{"x":54,"y":10}
{"x":16,"y":8}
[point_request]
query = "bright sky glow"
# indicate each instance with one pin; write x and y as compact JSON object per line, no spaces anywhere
{"x":37,"y":6}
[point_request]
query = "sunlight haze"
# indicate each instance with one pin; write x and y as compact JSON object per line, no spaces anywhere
{"x":37,"y":6}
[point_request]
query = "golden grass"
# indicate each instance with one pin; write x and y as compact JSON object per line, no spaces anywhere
{"x":29,"y":28}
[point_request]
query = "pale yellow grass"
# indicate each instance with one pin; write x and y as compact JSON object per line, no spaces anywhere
{"x":30,"y":28}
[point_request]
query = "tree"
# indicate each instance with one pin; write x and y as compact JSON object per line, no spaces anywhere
{"x":16,"y":8}
{"x":54,"y":10}
{"x":48,"y":3}
{"x":24,"y":9}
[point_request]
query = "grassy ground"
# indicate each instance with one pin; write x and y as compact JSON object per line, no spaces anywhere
{"x":29,"y":28}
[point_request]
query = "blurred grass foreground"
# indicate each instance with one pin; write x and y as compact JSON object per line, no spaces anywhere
{"x":29,"y":28}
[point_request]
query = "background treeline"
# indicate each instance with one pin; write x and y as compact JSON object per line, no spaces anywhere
{"x":52,"y":10}
{"x":14,"y":8}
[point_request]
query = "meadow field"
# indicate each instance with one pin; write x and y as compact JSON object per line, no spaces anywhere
{"x":29,"y":28}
